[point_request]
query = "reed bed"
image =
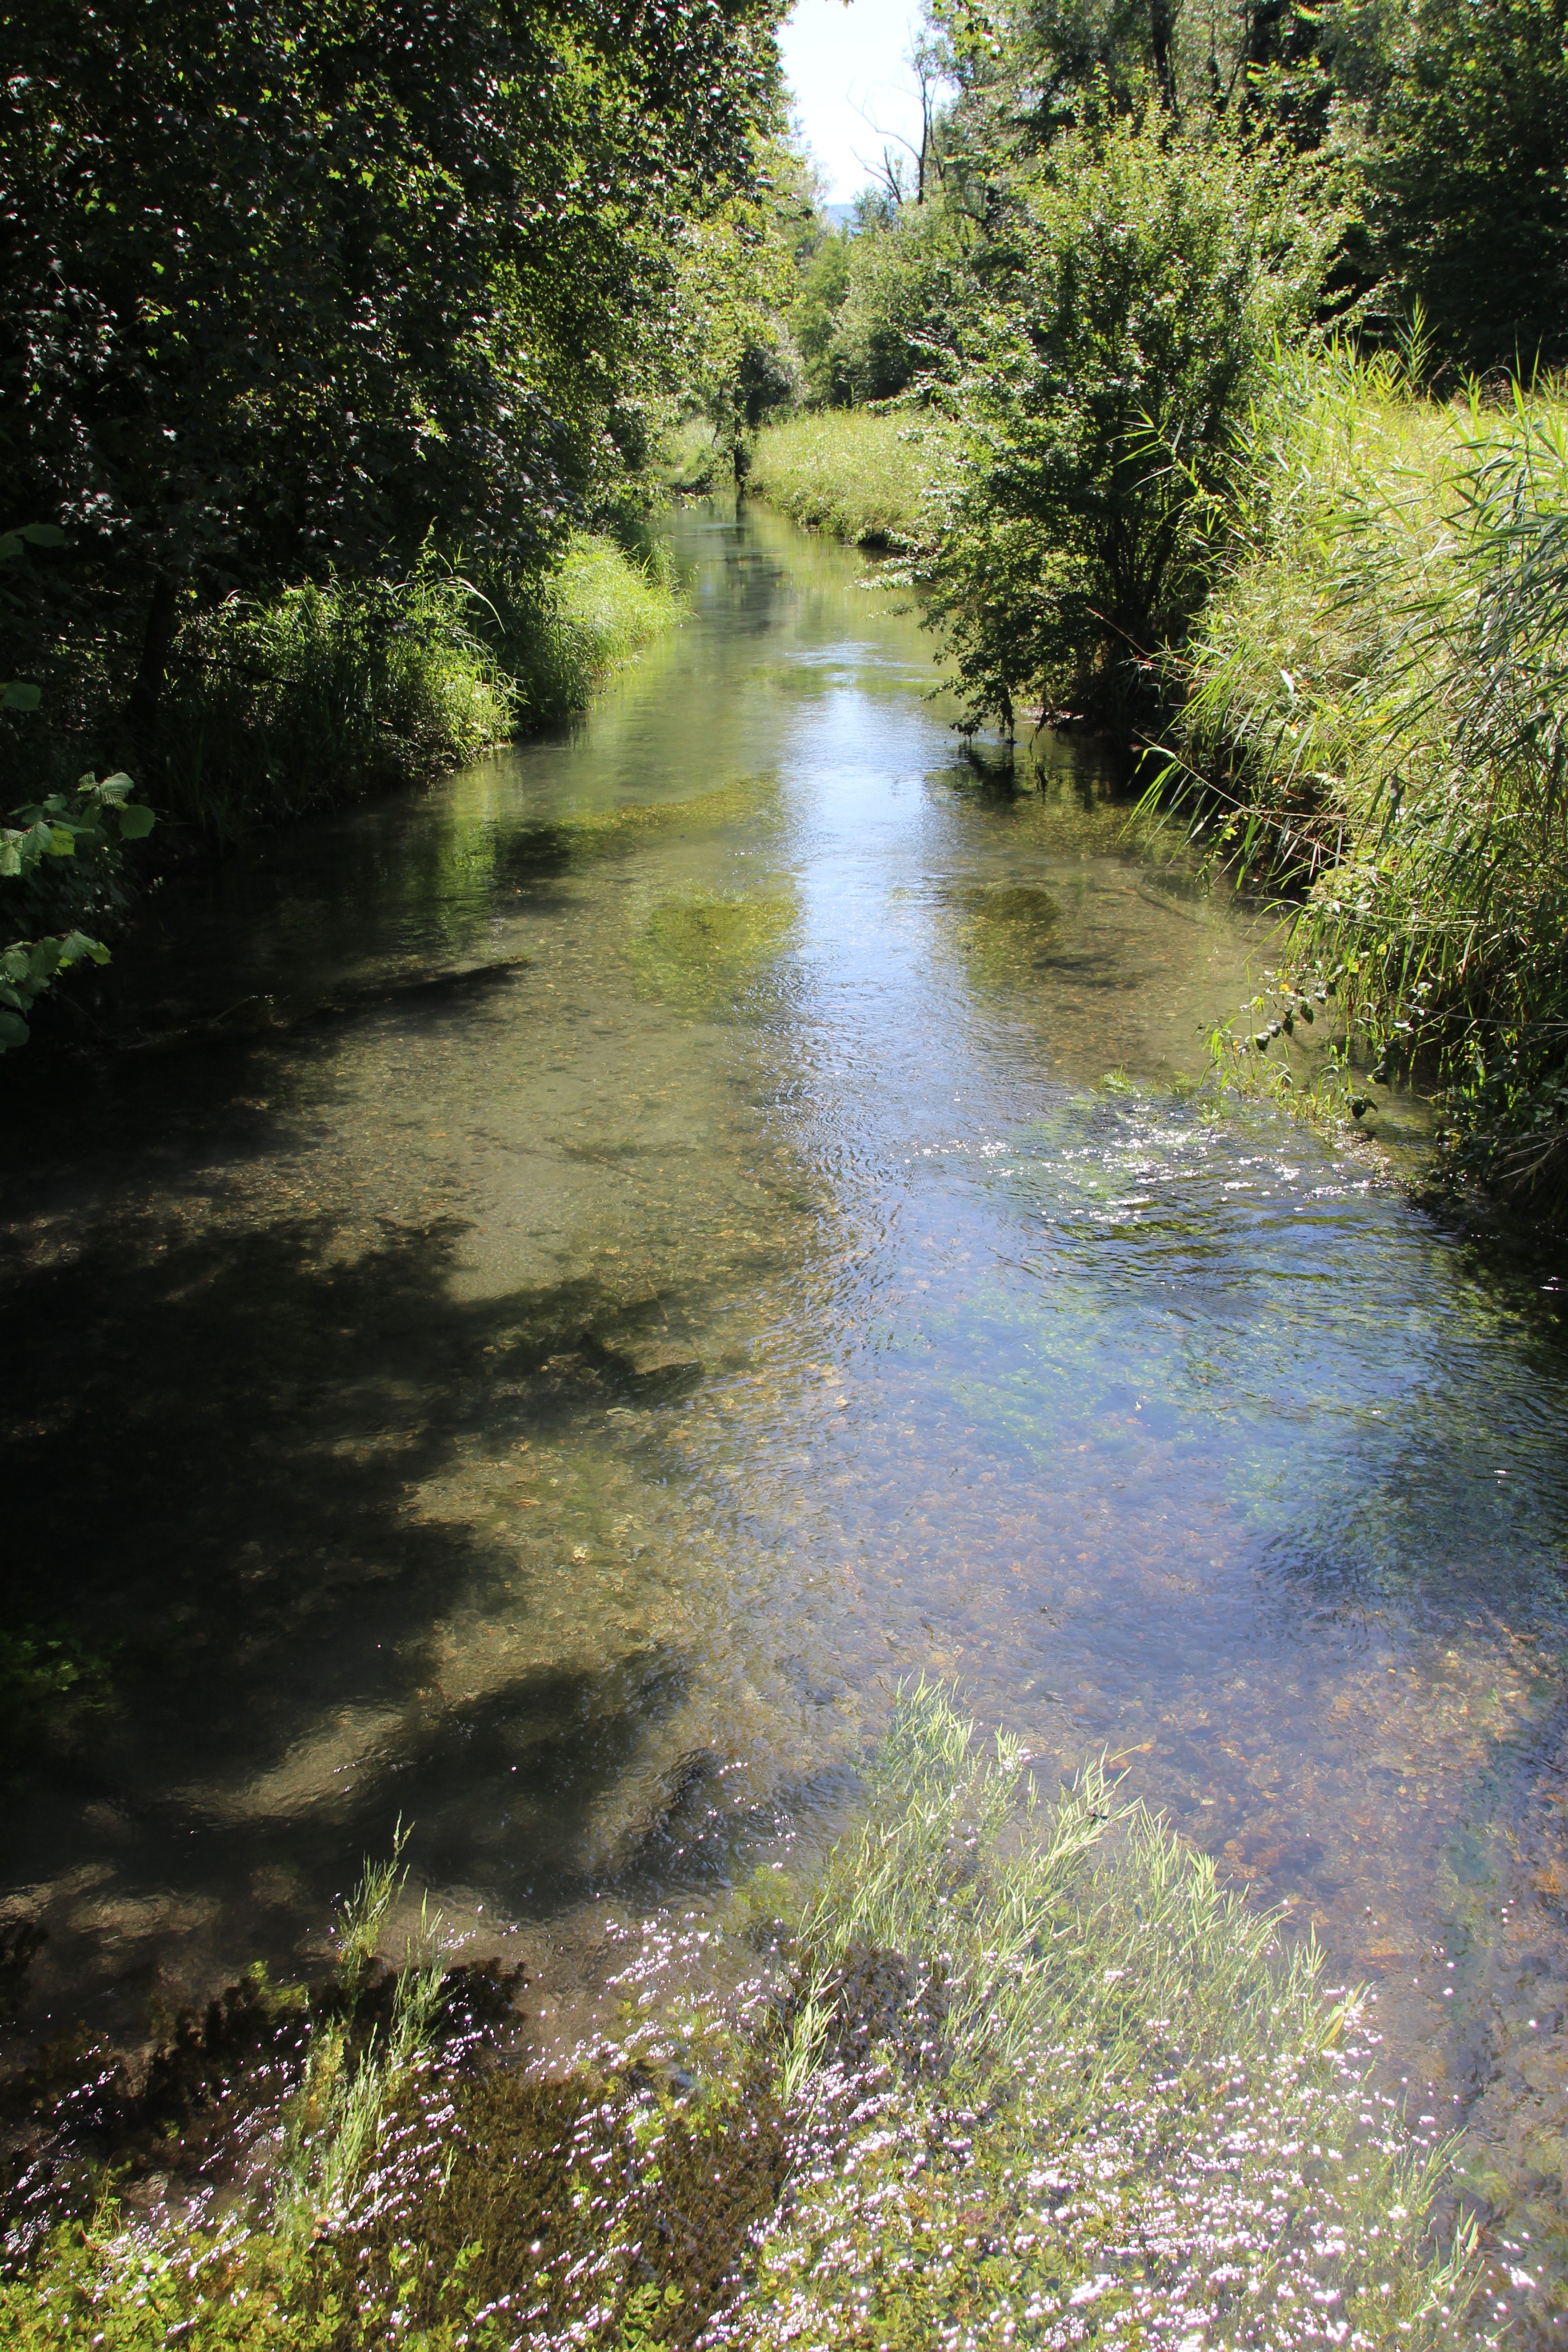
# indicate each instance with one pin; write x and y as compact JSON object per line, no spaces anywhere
{"x":1374,"y":716}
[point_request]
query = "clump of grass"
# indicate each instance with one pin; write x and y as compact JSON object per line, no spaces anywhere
{"x":274,"y":709}
{"x":1018,"y":2073}
{"x":562,"y":636}
{"x":1100,"y":2099}
{"x":869,"y":477}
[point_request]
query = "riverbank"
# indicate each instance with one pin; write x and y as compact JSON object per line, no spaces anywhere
{"x":1371,"y":715}
{"x":276,"y":713}
{"x":873,"y":480}
{"x":276,"y":710}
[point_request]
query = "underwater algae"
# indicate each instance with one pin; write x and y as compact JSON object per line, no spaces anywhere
{"x":1009,"y":2072}
{"x":1004,"y":930}
{"x":700,"y":954}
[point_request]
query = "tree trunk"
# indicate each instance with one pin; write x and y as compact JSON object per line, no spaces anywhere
{"x":1160,"y":40}
{"x":147,"y":692}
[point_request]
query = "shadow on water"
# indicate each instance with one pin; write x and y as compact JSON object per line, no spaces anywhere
{"x":215,"y":1483}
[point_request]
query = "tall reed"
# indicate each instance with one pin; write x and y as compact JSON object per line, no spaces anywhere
{"x":1375,"y":714}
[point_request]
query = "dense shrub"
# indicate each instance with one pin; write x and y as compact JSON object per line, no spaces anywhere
{"x":907,"y":295}
{"x":1470,"y":179}
{"x":1101,"y":408}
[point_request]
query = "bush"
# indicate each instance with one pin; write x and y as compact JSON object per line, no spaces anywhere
{"x":813,"y":320}
{"x":907,"y":295}
{"x":1101,"y":409}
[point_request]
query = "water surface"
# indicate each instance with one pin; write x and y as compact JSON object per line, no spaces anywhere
{"x":721,"y":1221}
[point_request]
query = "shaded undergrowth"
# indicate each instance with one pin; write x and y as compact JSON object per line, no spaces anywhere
{"x":1009,"y":2072}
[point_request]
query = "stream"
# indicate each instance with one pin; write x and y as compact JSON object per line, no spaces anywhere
{"x":712,"y":1215}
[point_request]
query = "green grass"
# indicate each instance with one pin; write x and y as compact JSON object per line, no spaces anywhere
{"x":1375,"y":713}
{"x":273,"y":710}
{"x":1009,"y":2072}
{"x":562,"y":638}
{"x":871,"y":478}
{"x":276,"y":709}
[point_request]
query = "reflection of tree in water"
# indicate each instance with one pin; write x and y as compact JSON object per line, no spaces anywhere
{"x":213,"y":1480}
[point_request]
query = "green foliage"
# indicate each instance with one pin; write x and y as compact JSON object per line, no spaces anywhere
{"x":59,"y":867}
{"x":1376,"y":710}
{"x":323,"y":693}
{"x":813,"y":320}
{"x":871,"y":478}
{"x":907,"y":297}
{"x":42,"y":1672}
{"x":59,"y":860}
{"x":1102,"y":405}
{"x":738,"y":270}
{"x":1054,"y":2069}
{"x":1471,"y":175}
{"x":468,"y":217}
{"x":564,"y":635}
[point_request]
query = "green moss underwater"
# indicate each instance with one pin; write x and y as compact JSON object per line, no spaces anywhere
{"x":1010,"y":2072}
{"x":704,"y":954}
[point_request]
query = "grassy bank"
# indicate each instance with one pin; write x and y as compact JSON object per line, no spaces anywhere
{"x":1375,"y":713}
{"x":870,"y":478}
{"x":1007,"y":2072}
{"x":332,"y":693}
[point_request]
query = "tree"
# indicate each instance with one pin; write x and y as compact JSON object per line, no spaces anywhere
{"x":1472,"y":178}
{"x":289,"y":286}
{"x":1102,"y":399}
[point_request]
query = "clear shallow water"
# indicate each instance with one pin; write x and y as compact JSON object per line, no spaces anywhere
{"x":557,"y":1407}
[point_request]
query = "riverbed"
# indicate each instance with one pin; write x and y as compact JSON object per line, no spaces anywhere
{"x":692,"y":1221}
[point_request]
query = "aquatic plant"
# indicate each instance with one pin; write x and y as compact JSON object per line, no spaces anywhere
{"x":701,"y":953}
{"x":1014,"y":2072}
{"x":352,"y":2074}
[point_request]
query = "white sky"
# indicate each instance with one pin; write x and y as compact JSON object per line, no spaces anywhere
{"x":843,"y":64}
